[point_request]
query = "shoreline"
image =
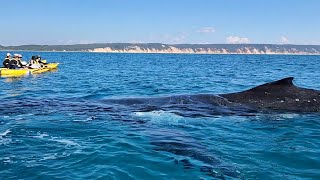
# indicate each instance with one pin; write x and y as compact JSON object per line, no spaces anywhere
{"x":159,"y":48}
{"x":176,"y":53}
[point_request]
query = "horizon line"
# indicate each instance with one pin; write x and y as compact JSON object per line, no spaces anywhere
{"x":161,"y":44}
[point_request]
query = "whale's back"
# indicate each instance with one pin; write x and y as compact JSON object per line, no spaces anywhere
{"x":279,"y":95}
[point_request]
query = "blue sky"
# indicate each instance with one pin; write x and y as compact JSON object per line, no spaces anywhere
{"x":164,"y":21}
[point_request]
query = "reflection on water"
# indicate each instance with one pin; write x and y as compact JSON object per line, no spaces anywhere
{"x":12,"y":79}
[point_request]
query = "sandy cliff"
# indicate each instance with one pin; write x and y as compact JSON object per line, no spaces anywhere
{"x":179,"y":50}
{"x":175,"y":48}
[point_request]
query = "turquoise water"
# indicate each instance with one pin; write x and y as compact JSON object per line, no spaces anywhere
{"x":58,"y":125}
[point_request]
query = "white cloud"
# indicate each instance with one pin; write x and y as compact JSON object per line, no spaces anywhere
{"x":284,"y":40}
{"x":206,"y":30}
{"x":237,"y":40}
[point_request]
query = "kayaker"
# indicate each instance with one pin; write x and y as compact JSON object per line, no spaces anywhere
{"x":19,"y":60}
{"x":13,"y":63}
{"x":39,"y":59}
{"x":7,"y":60}
{"x":33,"y":60}
{"x":33,"y":63}
{"x":21,"y":63}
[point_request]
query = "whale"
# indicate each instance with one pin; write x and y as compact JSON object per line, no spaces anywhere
{"x":276,"y":96}
{"x":187,"y":148}
{"x":272,"y":97}
{"x":280,"y":95}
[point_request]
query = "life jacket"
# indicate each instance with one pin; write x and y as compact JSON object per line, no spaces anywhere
{"x":6,"y":62}
{"x":13,"y":64}
{"x":33,"y":61}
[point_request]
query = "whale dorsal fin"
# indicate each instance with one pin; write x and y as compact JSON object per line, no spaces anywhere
{"x":274,"y":88}
{"x":285,"y":82}
{"x":282,"y":83}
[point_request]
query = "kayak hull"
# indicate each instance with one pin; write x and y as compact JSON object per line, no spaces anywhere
{"x":51,"y":66}
{"x":4,"y":72}
{"x":38,"y":71}
{"x":13,"y":72}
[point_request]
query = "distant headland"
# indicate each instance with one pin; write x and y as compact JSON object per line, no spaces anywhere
{"x":175,"y":48}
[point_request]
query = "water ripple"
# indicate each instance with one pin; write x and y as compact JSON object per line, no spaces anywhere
{"x":61,"y":125}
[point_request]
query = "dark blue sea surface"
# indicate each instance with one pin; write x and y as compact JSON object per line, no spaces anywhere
{"x":61,"y":124}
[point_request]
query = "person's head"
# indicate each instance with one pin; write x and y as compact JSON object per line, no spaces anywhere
{"x":16,"y":56}
{"x":8,"y":55}
{"x":33,"y":58}
{"x":20,"y":56}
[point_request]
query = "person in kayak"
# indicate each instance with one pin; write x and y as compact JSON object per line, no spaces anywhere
{"x":34,"y":63}
{"x":7,"y":60}
{"x":16,"y":62}
{"x":40,"y":60}
{"x":13,"y":63}
{"x":33,"y":60}
{"x":21,"y":63}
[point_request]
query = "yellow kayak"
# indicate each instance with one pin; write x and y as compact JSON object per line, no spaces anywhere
{"x":51,"y":66}
{"x":45,"y":68}
{"x":38,"y":71}
{"x":4,"y":72}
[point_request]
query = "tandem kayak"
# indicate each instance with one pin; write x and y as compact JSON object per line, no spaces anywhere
{"x":4,"y":72}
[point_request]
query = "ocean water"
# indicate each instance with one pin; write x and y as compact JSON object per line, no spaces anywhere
{"x":61,"y":124}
